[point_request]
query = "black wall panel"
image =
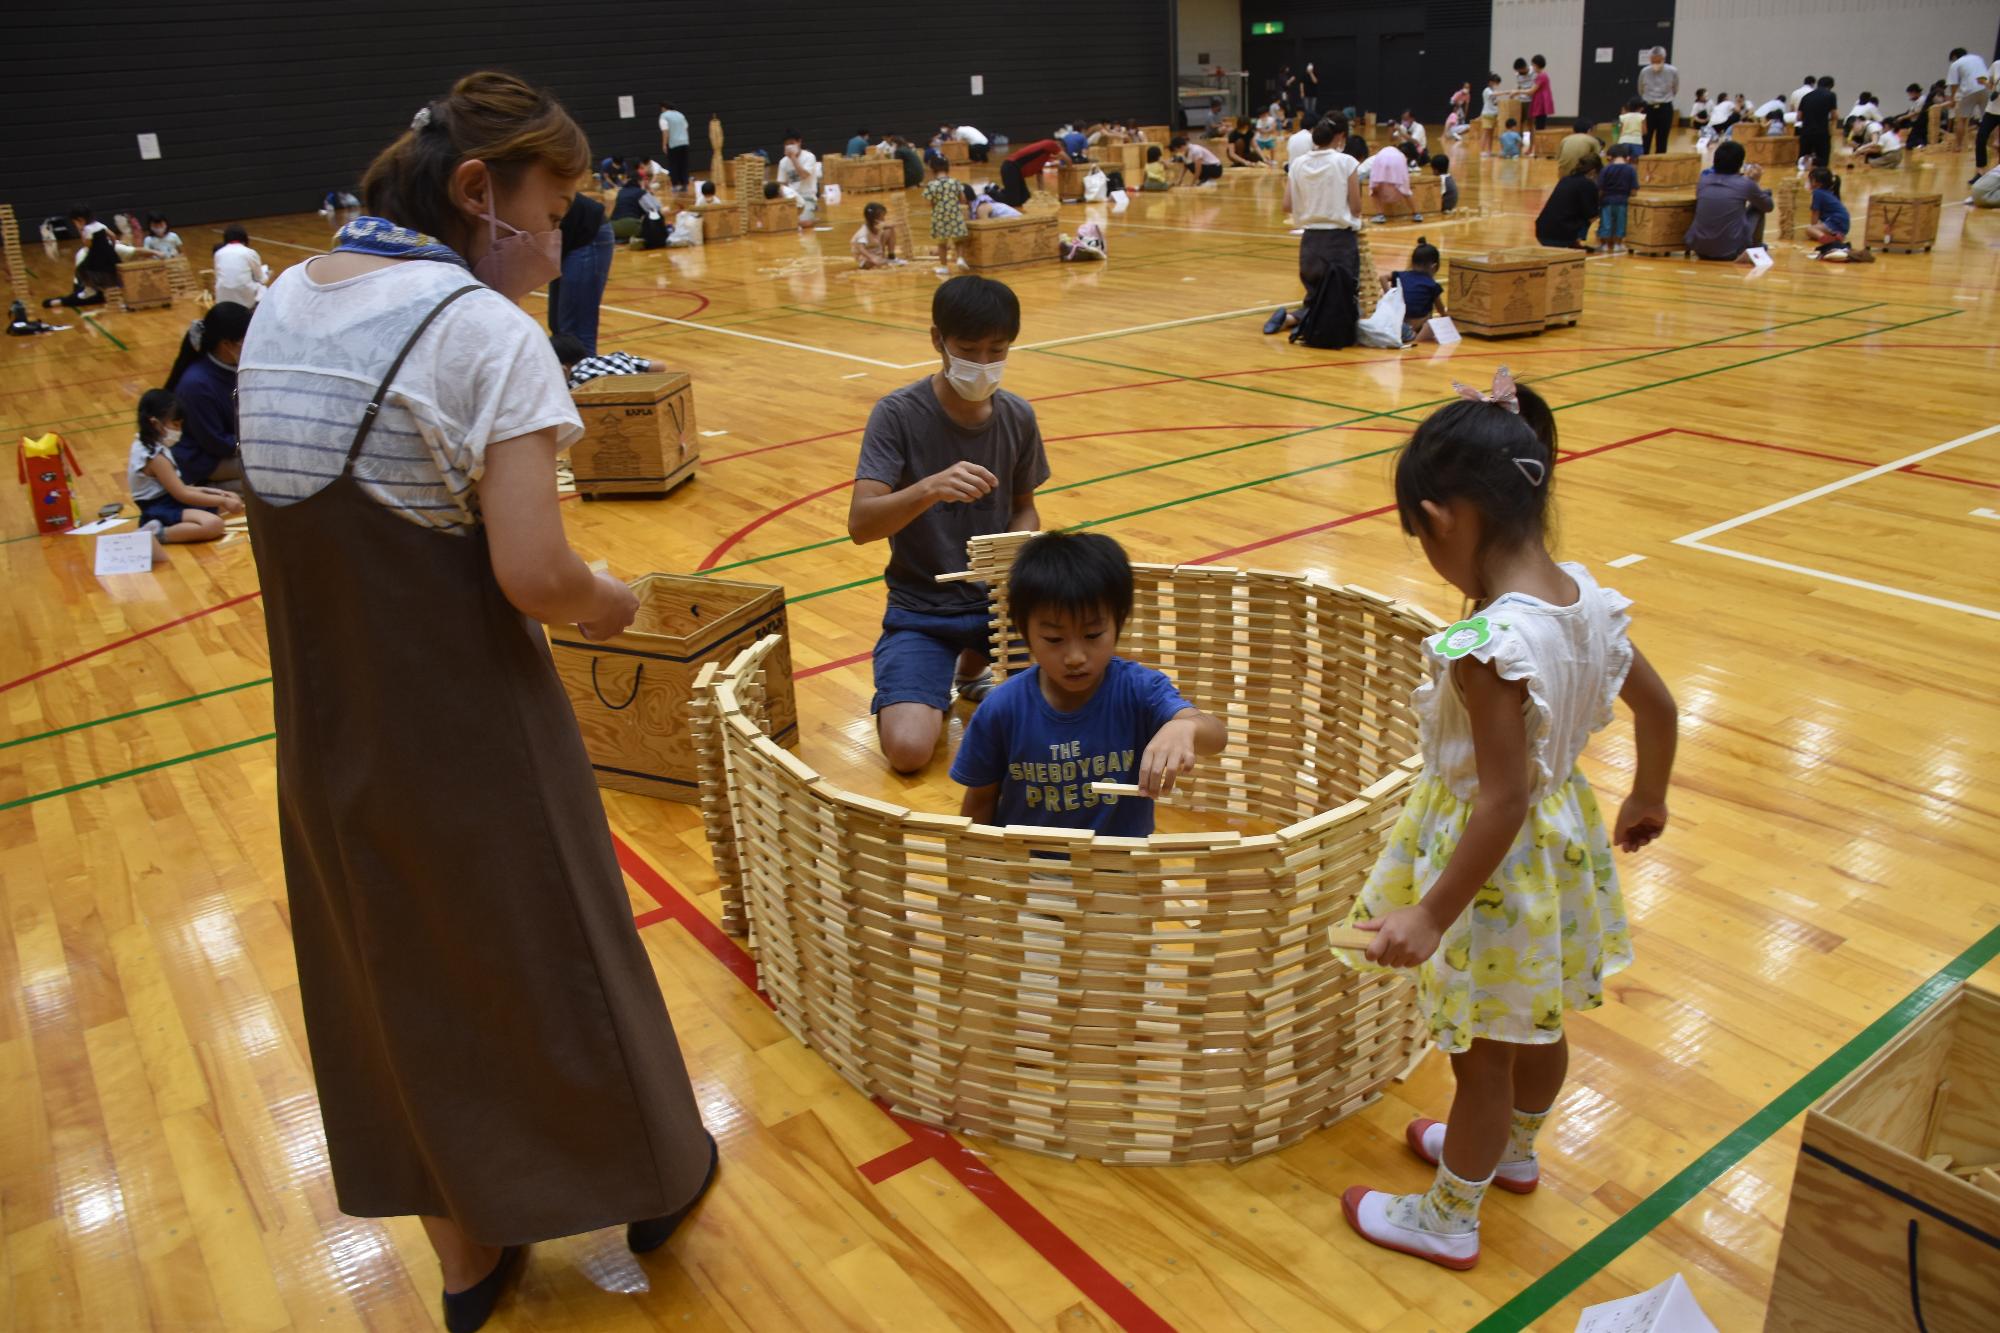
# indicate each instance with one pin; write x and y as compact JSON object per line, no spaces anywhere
{"x":262,"y":107}
{"x":1373,"y":55}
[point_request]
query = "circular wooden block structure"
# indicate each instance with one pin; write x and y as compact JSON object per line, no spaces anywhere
{"x":1130,"y":1000}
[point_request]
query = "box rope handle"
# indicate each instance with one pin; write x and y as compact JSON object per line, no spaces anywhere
{"x":638,"y":674}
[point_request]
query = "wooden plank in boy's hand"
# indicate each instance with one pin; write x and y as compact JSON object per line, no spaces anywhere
{"x":1115,"y":789}
{"x":962,"y":576}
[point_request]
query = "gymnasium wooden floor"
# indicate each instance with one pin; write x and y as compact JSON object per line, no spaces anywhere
{"x":1797,"y":476}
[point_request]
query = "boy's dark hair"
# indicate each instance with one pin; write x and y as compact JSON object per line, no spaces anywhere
{"x":1425,"y":255}
{"x":1826,"y":83}
{"x":873,"y":213}
{"x":1409,"y":152}
{"x":77,"y":211}
{"x":1492,"y":77}
{"x":1914,"y":88}
{"x":936,"y":162}
{"x":1441,"y":164}
{"x":1636,"y":104}
{"x":1956,"y":52}
{"x":568,"y":347}
{"x":1081,"y":573}
{"x":1152,"y":152}
{"x":1728,"y":158}
{"x":1583,"y":124}
{"x":666,"y":106}
{"x":1323,"y":133}
{"x":1511,"y":122}
{"x":1501,"y":463}
{"x":156,"y":405}
{"x":233,"y":235}
{"x":793,"y":136}
{"x":708,"y":189}
{"x":970,"y":307}
{"x":1178,"y":141}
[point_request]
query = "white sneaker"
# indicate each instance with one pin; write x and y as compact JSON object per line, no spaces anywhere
{"x":942,"y":271}
{"x":1426,"y":1140}
{"x":967,"y":267}
{"x":1367,"y":1212}
{"x":152,"y":525}
{"x":1379,"y":217}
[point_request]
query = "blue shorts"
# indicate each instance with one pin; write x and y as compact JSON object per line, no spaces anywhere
{"x":917,"y":656}
{"x":164,"y":510}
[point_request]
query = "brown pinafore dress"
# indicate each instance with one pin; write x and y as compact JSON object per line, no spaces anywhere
{"x":488,"y":1039}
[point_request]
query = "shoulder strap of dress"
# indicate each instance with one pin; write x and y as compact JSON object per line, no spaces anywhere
{"x":374,"y":407}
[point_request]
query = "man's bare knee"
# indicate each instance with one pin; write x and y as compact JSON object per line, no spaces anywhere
{"x":909,"y":735}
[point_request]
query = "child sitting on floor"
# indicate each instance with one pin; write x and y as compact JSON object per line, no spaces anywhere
{"x":581,"y":369}
{"x":1081,"y":714}
{"x":1510,"y":139}
{"x":161,"y":241}
{"x":1447,"y":187}
{"x":874,"y":242}
{"x":169,"y":508}
{"x":1831,"y":222}
{"x":1156,"y":170}
{"x":1422,"y":296}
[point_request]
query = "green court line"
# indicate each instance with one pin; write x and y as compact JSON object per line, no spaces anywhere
{"x":107,"y":333}
{"x":136,"y":712}
{"x":1196,"y":379}
{"x":1556,"y":1285}
{"x":134,"y":772}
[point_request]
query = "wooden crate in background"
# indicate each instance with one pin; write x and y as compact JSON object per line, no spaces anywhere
{"x":1666,"y":171}
{"x":863,"y":175}
{"x":639,"y":437}
{"x":1159,"y":134}
{"x":1426,"y":196}
{"x":1548,"y":143}
{"x":771,"y":215}
{"x":144,"y":284}
{"x":1494,"y":296}
{"x":955,"y":151}
{"x":1903,"y":223}
{"x":1006,"y":242}
{"x":720,"y":222}
{"x":1772,"y":151}
{"x":1565,"y":281}
{"x":1657,"y":224}
{"x":631,"y":691}
{"x":1874,"y":1228}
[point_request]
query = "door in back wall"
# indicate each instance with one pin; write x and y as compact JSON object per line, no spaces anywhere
{"x":1333,"y":60}
{"x":1628,"y":29}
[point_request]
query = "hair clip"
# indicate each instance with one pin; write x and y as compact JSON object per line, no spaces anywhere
{"x":1533,"y":469}
{"x":422,"y":119}
{"x":1502,"y":394}
{"x":194,"y":333}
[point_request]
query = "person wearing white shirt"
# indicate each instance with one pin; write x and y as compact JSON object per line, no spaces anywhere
{"x":1323,"y":195}
{"x":1298,"y":145}
{"x":1775,"y":108}
{"x":800,"y":170}
{"x":1408,"y":128}
{"x":1792,"y":97}
{"x":240,"y":272}
{"x":1865,"y":108}
{"x":674,"y":138}
{"x":975,"y":142}
{"x":1966,"y":82}
{"x":1884,"y":147}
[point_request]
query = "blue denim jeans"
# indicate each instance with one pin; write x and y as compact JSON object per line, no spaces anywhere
{"x":1611,"y":222}
{"x":581,"y":290}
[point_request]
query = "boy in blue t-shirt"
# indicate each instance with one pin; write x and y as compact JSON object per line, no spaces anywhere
{"x":1510,"y":140}
{"x":1080,"y":715}
{"x":1615,"y":185}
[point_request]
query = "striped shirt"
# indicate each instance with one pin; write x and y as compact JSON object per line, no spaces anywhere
{"x":482,"y":372}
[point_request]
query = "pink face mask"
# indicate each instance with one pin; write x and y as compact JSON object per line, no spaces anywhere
{"x":519,"y":262}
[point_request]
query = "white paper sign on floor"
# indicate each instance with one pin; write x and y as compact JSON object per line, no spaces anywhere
{"x":1445,"y":331}
{"x":1759,"y":256}
{"x":1667,"y":1308}
{"x":125,"y":553}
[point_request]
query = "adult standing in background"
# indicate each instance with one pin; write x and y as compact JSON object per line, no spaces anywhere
{"x":674,"y":138}
{"x":488,"y":1041}
{"x":1288,"y":91}
{"x":1543,"y":104}
{"x":1659,"y":88}
{"x":587,"y":246}
{"x":1966,"y":82}
{"x":1309,"y":91}
{"x":1816,"y":112}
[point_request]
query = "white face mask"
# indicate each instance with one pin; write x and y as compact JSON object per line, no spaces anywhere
{"x":975,"y":380}
{"x":170,"y":437}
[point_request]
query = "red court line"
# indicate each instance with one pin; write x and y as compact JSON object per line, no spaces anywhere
{"x":130,"y":638}
{"x":835,"y":665}
{"x":926,"y":1143}
{"x":714,"y":557}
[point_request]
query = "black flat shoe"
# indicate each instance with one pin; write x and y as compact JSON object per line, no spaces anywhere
{"x":645,"y":1237}
{"x":467,"y":1311}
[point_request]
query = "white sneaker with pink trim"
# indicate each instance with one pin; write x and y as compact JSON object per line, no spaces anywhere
{"x":1367,"y":1211}
{"x":1426,"y":1140}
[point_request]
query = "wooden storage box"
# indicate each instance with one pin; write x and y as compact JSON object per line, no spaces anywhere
{"x":864,"y":175}
{"x":720,"y":222}
{"x":1773,"y":150}
{"x":631,"y":692}
{"x":1565,"y":280}
{"x":1667,"y":171}
{"x":1657,"y":224}
{"x":1903,"y":223}
{"x":955,"y":151}
{"x":1498,"y":296}
{"x":1128,"y":158}
{"x":639,"y":437}
{"x":1069,"y":177}
{"x":1004,"y":242}
{"x":1426,"y":192}
{"x":1872,"y":1229}
{"x":767,"y":215}
{"x":1548,"y":143}
{"x":1159,"y":134}
{"x":145,"y":283}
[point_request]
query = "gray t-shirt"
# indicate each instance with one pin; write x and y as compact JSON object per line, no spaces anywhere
{"x":909,"y":437}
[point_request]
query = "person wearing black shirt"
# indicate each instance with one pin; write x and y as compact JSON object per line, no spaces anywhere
{"x":1816,"y":112}
{"x":1565,"y":219}
{"x":587,"y":247}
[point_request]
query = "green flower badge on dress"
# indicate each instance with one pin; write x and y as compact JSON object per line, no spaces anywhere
{"x":1463,"y":637}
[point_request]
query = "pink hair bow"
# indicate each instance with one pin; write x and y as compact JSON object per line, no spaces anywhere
{"x":1502,"y":394}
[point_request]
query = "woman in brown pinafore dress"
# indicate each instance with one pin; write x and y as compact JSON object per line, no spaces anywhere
{"x":489,"y":1043}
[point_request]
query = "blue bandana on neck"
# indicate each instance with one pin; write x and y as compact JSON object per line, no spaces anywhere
{"x":379,"y":236}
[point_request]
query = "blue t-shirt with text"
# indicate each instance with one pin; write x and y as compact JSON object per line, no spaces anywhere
{"x":1045,"y":761}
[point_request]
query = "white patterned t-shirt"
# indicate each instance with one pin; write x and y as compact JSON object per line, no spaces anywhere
{"x":482,"y":372}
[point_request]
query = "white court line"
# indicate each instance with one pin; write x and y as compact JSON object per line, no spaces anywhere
{"x":1698,"y":540}
{"x":1833,"y":486}
{"x":1986,"y":513}
{"x":1624,"y":560}
{"x":753,"y":337}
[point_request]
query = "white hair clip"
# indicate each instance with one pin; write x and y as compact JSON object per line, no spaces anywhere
{"x":1533,"y":469}
{"x":421,"y":120}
